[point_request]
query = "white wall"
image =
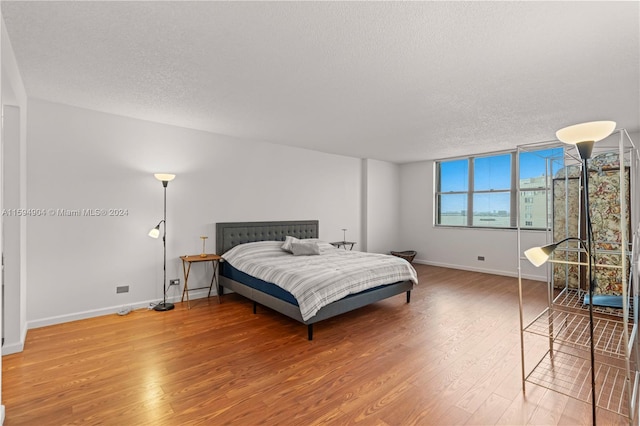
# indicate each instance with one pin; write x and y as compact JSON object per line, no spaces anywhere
{"x":11,"y":223}
{"x":14,"y":103}
{"x":82,"y":159}
{"x":382,"y":206}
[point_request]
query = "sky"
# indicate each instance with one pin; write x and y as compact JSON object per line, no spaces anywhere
{"x":491,"y":172}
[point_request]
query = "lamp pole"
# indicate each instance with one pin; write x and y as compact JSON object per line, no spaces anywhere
{"x":590,"y":254}
{"x":164,"y":306}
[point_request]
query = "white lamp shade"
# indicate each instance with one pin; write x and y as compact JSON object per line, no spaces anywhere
{"x":165,"y":177}
{"x":539,"y":255}
{"x":536,"y":256}
{"x":592,"y":131}
{"x":155,"y":232}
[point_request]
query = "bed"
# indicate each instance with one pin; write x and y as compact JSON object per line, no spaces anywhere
{"x":232,"y":234}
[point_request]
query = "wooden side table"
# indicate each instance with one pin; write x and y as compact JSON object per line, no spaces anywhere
{"x":186,"y":268}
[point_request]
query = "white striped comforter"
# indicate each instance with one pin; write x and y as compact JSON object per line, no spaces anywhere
{"x":316,"y":281}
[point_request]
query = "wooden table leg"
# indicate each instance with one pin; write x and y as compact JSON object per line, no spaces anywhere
{"x":186,"y":279}
{"x":214,"y":264}
{"x":213,"y":267}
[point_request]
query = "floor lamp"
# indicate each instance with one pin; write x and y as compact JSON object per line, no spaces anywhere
{"x":165,"y":178}
{"x":583,"y":136}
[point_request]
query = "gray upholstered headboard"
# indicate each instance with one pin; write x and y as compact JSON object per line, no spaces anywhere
{"x":230,"y":234}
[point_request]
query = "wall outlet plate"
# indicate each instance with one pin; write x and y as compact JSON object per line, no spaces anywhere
{"x":175,"y":281}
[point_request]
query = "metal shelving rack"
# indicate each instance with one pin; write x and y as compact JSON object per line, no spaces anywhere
{"x":565,"y":367}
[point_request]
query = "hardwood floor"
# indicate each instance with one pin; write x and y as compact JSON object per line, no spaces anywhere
{"x":451,"y":356}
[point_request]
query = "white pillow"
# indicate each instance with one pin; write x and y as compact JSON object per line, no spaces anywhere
{"x":305,"y":249}
{"x":286,"y":246}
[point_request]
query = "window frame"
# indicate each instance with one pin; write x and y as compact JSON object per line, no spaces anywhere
{"x":514,"y":192}
{"x":437,"y":193}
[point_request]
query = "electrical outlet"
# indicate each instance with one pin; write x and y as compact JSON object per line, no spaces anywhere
{"x":481,"y":258}
{"x":122,"y":289}
{"x":175,"y":281}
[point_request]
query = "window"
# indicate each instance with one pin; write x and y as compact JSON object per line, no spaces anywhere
{"x":536,"y":170}
{"x":475,"y":191}
{"x":452,"y":198}
{"x":491,"y":192}
{"x":482,"y":191}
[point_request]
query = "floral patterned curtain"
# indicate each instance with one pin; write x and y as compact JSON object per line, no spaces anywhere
{"x":568,"y":221}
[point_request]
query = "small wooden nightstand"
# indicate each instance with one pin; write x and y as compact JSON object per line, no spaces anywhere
{"x":344,"y":244}
{"x":188,"y":260}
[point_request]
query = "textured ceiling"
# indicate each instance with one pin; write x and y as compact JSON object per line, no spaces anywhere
{"x":395,"y":81}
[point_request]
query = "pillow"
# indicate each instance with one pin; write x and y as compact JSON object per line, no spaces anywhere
{"x":304,"y":249}
{"x":286,"y":246}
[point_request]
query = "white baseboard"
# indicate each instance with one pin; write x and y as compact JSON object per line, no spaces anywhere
{"x":14,"y":347}
{"x":43,"y":322}
{"x":482,"y":270}
{"x":200,"y":294}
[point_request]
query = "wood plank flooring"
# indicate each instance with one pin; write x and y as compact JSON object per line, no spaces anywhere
{"x":451,"y":356}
